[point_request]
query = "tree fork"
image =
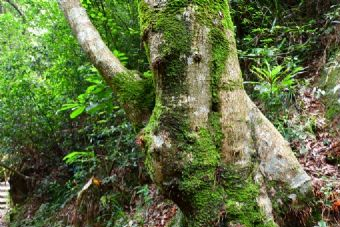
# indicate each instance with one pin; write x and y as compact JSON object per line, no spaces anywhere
{"x":207,"y":145}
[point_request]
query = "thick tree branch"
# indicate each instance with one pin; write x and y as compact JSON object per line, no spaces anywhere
{"x":134,"y":93}
{"x":90,"y":40}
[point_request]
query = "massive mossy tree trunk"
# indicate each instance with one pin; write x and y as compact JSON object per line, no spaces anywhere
{"x":208,"y":147}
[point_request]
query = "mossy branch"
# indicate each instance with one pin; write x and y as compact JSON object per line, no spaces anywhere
{"x":112,"y":70}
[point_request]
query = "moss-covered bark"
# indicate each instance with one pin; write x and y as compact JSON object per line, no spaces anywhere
{"x":207,"y":146}
{"x":136,"y":94}
{"x":189,"y":50}
{"x":330,"y":82}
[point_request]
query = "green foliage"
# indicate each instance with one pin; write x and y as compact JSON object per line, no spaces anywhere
{"x":273,"y":38}
{"x":144,"y":193}
{"x":54,"y":105}
{"x":96,"y":97}
{"x":117,"y":21}
{"x":35,"y":75}
{"x":46,"y":213}
{"x":297,"y":130}
{"x":111,"y":209}
{"x":275,"y":31}
{"x":276,"y":84}
{"x":78,"y":157}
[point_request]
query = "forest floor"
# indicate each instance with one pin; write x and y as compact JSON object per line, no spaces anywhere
{"x":321,"y":156}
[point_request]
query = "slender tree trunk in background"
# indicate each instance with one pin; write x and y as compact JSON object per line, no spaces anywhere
{"x":208,"y":147}
{"x":10,"y":2}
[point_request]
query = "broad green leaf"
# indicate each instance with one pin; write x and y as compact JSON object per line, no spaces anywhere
{"x":68,"y":106}
{"x":78,"y":156}
{"x":77,"y":112}
{"x":276,"y":70}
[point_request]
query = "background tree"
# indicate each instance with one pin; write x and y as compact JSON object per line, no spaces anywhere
{"x":41,"y":70}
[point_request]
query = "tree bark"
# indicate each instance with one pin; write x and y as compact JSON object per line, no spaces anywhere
{"x":208,"y":147}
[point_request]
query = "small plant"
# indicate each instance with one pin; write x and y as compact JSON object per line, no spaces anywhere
{"x":275,"y":84}
{"x":144,"y":193}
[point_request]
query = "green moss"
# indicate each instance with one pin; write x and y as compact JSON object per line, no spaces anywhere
{"x":241,"y":196}
{"x":217,"y":19}
{"x":220,"y":51}
{"x":232,"y":85}
{"x":330,"y":99}
{"x":175,"y":32}
{"x":169,"y":22}
{"x":198,"y":180}
{"x":151,"y":127}
{"x":203,"y":159}
{"x":208,"y":204}
{"x":197,"y":162}
{"x":145,"y":16}
{"x":216,"y":129}
{"x":218,"y":194}
{"x":171,"y":65}
{"x":173,"y":123}
{"x":139,"y":93}
{"x":289,"y":204}
{"x":177,"y":36}
{"x":155,"y":117}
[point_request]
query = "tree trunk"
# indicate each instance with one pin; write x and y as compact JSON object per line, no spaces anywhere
{"x":208,"y":147}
